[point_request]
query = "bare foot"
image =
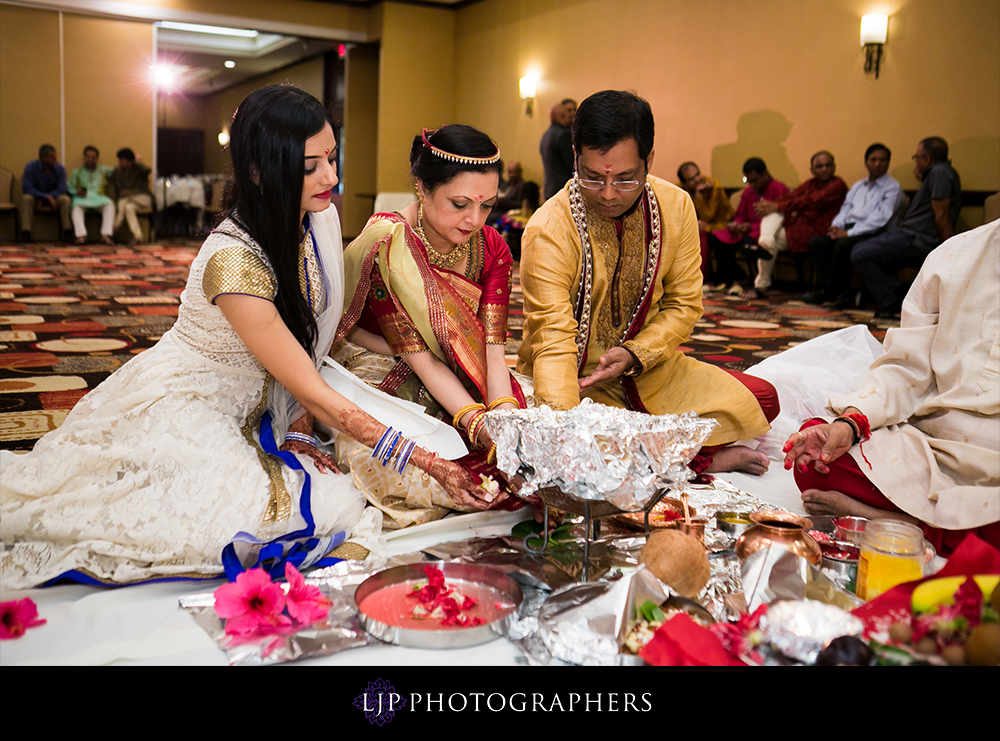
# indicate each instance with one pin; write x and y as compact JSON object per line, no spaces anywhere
{"x":107,"y":239}
{"x":81,"y":240}
{"x":838,"y":504}
{"x":739,"y":458}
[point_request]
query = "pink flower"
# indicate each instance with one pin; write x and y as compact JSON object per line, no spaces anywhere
{"x":17,"y":617}
{"x":305,"y":603}
{"x":969,"y":601}
{"x":743,"y":636}
{"x":252,"y":604}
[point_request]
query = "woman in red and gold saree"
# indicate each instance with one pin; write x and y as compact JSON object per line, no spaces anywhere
{"x":427,"y":321}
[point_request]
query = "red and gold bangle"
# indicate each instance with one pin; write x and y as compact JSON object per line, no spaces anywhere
{"x":457,"y":420}
{"x":502,"y":400}
{"x":475,"y":427}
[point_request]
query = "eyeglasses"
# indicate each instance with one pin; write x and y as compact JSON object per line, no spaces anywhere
{"x":622,"y":186}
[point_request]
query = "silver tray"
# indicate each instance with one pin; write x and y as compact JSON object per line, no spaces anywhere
{"x":454,"y":573}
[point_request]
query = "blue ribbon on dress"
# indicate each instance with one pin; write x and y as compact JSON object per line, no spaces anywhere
{"x":299,"y":548}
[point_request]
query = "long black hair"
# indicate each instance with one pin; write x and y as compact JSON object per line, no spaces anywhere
{"x":459,"y":139}
{"x":267,"y":143}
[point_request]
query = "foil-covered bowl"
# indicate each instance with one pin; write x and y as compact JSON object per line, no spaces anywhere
{"x":801,"y":629}
{"x":597,"y":453}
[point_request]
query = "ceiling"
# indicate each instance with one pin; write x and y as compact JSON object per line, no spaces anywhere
{"x":197,"y":61}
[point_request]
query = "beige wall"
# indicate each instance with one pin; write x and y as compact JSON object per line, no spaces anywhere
{"x":29,"y":86}
{"x":728,"y":80}
{"x":109,"y":102}
{"x":105,"y":81}
{"x":416,"y":84}
{"x":360,"y":145}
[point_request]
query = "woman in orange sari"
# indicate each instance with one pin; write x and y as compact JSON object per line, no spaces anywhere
{"x":427,"y":322}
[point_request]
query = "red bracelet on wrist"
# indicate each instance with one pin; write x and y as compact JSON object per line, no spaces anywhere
{"x":862,"y":431}
{"x":864,"y":426}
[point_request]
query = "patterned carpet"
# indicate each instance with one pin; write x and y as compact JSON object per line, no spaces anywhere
{"x":69,"y":316}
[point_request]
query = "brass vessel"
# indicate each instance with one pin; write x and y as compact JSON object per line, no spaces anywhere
{"x":781,"y":530}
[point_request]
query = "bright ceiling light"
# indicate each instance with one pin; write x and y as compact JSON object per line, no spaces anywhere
{"x":217,"y":30}
{"x":165,"y":76}
{"x":229,"y":64}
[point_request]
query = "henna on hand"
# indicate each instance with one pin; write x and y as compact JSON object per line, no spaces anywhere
{"x":460,"y":485}
{"x":324,"y":463}
{"x":302,"y":425}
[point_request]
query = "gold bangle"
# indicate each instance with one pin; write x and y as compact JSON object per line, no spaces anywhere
{"x":463,"y":411}
{"x":492,"y":455}
{"x":475,"y":427}
{"x":502,"y":400}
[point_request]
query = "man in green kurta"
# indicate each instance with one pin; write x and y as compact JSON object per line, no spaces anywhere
{"x":87,"y":185}
{"x":612,"y":287}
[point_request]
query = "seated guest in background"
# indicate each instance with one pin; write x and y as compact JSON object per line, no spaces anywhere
{"x":745,"y":228}
{"x":88,"y":184}
{"x":808,"y":212}
{"x":612,"y":287}
{"x":557,"y":148}
{"x":511,"y":224}
{"x":928,"y":221}
{"x":932,"y":407}
{"x":509,"y":194}
{"x":128,"y":187}
{"x":871,"y":205}
{"x":44,"y":184}
{"x":712,"y":206}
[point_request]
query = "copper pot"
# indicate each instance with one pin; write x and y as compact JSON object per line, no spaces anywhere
{"x":780,"y":530}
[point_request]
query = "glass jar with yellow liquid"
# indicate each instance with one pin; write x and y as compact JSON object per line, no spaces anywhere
{"x":892,"y":553}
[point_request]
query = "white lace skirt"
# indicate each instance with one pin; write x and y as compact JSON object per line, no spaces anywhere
{"x":150,"y":477}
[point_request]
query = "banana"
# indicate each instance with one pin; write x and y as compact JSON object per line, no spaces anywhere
{"x":930,"y":594}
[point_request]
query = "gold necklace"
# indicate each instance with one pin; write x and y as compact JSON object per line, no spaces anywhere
{"x":435,"y":257}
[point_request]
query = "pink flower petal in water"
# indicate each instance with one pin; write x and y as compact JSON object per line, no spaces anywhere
{"x":305,"y":603}
{"x":16,"y":617}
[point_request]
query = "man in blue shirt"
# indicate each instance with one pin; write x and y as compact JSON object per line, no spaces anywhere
{"x":928,"y":222}
{"x":872,"y":204}
{"x":43,"y":187}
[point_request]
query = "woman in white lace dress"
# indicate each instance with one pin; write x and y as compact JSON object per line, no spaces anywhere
{"x":171,"y":467}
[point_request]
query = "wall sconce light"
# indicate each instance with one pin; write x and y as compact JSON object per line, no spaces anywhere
{"x":873,"y":35}
{"x":528,"y":86}
{"x":223,"y":138}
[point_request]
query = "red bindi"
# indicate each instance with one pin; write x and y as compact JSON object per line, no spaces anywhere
{"x":607,"y":169}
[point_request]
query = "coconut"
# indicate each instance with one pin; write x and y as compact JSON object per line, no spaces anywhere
{"x":983,"y":645}
{"x":678,"y":560}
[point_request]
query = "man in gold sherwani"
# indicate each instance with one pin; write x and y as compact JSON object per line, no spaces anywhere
{"x":612,"y":286}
